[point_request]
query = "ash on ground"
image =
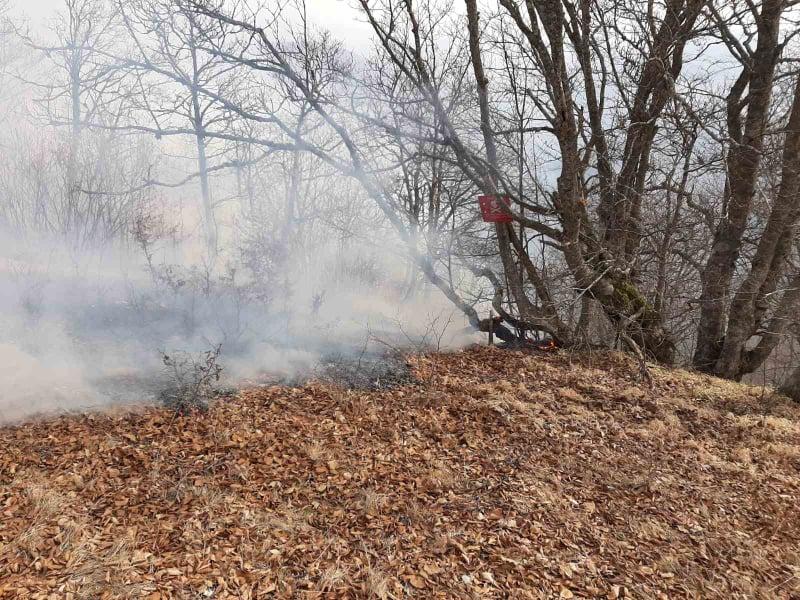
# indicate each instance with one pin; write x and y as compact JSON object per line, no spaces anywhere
{"x":347,"y":367}
{"x":369,"y":372}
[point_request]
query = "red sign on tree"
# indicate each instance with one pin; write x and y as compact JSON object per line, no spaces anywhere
{"x":491,"y":211}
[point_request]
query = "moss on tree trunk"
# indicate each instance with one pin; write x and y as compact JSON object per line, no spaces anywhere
{"x":628,"y":308}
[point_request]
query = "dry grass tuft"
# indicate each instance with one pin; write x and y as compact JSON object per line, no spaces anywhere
{"x":316,"y":452}
{"x":783,"y":450}
{"x":332,"y":578}
{"x":376,"y":584}
{"x":373,"y":502}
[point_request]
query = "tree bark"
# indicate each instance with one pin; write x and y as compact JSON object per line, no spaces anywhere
{"x":209,"y":218}
{"x":791,"y":387}
{"x":771,"y":333}
{"x":771,"y":254}
{"x":743,"y":161}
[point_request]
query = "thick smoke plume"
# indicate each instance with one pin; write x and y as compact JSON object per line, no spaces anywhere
{"x":85,"y":330}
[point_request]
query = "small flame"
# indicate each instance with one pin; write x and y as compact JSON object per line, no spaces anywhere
{"x":547,"y":346}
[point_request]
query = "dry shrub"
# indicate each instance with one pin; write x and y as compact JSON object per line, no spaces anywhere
{"x":193,"y":379}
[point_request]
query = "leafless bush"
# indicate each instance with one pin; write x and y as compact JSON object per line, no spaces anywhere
{"x":214,"y":297}
{"x":193,"y":380}
{"x":317,"y":300}
{"x":147,"y":229}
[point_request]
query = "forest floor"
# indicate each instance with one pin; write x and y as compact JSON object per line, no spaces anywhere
{"x":495,"y":474}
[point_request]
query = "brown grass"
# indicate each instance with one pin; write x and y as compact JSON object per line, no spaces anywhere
{"x":499,"y":475}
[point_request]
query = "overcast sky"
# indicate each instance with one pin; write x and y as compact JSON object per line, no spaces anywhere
{"x":338,"y":16}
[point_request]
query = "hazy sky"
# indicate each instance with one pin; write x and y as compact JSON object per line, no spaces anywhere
{"x":338,"y":16}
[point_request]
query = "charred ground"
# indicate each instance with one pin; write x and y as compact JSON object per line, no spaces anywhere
{"x":491,"y":474}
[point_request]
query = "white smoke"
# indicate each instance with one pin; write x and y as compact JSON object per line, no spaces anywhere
{"x":83,"y":330}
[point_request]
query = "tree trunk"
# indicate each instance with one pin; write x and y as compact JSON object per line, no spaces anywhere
{"x":771,"y":333}
{"x":791,"y":387}
{"x":767,"y":263}
{"x":744,"y":159}
{"x":209,"y":219}
{"x":544,"y":318}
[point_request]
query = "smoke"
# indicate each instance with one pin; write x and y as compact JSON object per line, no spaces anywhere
{"x":308,"y":272}
{"x":84,"y":330}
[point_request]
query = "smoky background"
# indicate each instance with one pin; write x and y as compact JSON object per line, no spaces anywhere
{"x":120,"y":245}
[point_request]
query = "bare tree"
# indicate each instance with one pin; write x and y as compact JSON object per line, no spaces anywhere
{"x":409,"y":43}
{"x":546,"y":32}
{"x":587,"y":117}
{"x":67,"y":181}
{"x":727,"y":324}
{"x":168,"y":69}
{"x":83,"y":35}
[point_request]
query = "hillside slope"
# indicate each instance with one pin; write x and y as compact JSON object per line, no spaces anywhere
{"x":496,"y":475}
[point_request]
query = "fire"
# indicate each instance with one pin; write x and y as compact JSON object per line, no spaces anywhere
{"x":546,"y":345}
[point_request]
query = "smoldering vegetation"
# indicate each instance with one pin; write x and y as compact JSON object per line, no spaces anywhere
{"x":127,"y":259}
{"x":102,"y":328}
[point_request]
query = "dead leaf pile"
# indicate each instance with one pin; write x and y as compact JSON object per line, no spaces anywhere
{"x":496,"y":475}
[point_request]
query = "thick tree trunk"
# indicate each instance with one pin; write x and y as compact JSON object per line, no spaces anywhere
{"x":771,"y":254}
{"x":744,"y":159}
{"x":631,"y":313}
{"x":771,"y":333}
